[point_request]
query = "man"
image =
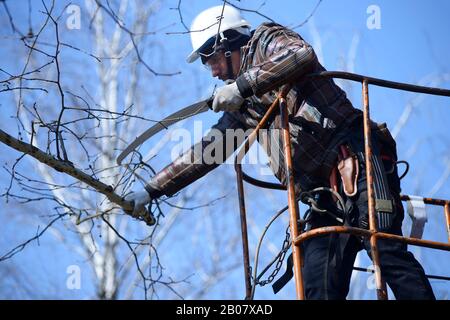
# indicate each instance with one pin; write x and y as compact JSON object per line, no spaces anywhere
{"x":327,"y":148}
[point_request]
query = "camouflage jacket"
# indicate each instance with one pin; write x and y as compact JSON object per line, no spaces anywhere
{"x":319,"y":113}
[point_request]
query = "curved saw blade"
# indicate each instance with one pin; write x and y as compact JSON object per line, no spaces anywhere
{"x":182,"y":114}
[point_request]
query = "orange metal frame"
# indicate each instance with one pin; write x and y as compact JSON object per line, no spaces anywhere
{"x":297,"y":236}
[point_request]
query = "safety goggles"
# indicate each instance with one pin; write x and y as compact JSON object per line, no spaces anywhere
{"x":214,"y":45}
{"x":212,"y":59}
{"x":209,"y":50}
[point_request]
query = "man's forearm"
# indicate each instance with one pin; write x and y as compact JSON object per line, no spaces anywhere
{"x":284,"y":67}
{"x":201,"y":158}
{"x":280,"y":56}
{"x":181,"y":172}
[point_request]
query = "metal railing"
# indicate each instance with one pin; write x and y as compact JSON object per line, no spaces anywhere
{"x":297,"y":237}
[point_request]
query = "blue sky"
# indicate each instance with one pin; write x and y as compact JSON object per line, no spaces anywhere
{"x":411,"y":46}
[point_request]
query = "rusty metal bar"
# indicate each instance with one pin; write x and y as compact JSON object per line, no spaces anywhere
{"x":367,"y":233}
{"x":436,"y":202}
{"x":380,"y":283}
{"x":414,"y":241}
{"x":239,"y":176}
{"x":382,"y":83}
{"x":243,"y":218}
{"x":292,"y":201}
{"x":330,"y":229}
{"x":252,"y":136}
{"x":262,"y":123}
{"x":447,"y":219}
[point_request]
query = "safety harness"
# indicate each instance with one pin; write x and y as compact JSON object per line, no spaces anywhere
{"x":226,"y":41}
{"x":348,"y":169}
{"x":227,"y":52}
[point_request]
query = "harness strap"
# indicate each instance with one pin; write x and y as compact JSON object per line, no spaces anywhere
{"x":383,"y":199}
{"x":226,"y":46}
{"x":383,"y":206}
{"x":417,"y":211}
{"x":285,"y":277}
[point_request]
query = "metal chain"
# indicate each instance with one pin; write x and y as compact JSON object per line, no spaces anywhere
{"x":285,"y":247}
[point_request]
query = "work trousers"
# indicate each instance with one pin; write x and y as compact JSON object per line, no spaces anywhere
{"x":329,"y":259}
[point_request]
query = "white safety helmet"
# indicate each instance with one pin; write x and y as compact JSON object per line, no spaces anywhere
{"x":205,"y":27}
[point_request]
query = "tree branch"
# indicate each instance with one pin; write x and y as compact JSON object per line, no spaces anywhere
{"x":69,"y":169}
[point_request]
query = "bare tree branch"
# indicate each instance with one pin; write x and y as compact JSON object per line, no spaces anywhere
{"x":69,"y":169}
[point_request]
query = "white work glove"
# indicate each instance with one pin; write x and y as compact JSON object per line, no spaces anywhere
{"x":140,"y":200}
{"x":227,"y":98}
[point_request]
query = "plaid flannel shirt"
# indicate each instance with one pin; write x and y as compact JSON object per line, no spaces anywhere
{"x":319,"y":113}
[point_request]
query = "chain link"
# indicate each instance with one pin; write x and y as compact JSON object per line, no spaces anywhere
{"x":285,"y":247}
